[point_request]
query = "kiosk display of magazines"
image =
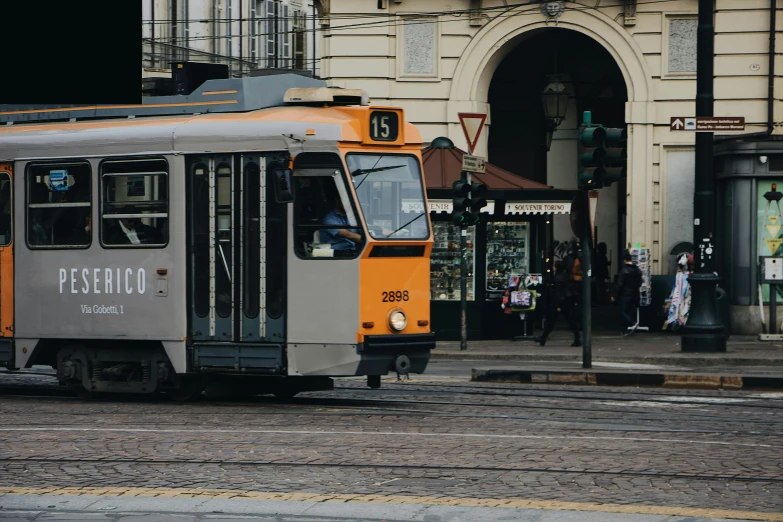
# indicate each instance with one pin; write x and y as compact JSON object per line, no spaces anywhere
{"x":521,"y":295}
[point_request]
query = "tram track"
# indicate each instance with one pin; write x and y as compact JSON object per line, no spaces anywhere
{"x":577,"y":393}
{"x":365,"y":407}
{"x":572,"y":394}
{"x":365,"y":411}
{"x":501,"y":469}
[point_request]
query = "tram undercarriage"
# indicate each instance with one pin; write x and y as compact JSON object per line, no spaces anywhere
{"x":91,"y":368}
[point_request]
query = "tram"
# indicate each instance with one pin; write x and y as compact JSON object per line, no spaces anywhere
{"x":262,"y":235}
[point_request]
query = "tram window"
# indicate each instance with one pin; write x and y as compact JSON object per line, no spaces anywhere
{"x":5,"y":214}
{"x":251,"y":230}
{"x":59,"y":205}
{"x":134,"y":203}
{"x":200,"y":238}
{"x":318,"y":204}
{"x":391,"y":194}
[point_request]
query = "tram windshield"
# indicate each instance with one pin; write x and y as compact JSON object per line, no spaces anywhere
{"x":391,"y":194}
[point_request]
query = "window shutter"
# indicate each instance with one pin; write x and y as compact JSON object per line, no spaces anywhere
{"x":270,"y":32}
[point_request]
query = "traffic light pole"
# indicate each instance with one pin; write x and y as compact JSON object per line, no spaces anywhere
{"x":704,"y":330}
{"x":463,"y":271}
{"x":587,"y":302}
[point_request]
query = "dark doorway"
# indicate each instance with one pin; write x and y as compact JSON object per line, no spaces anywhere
{"x":517,"y":136}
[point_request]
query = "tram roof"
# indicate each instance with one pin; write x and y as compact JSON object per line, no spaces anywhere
{"x":274,"y":127}
{"x":213,"y":96}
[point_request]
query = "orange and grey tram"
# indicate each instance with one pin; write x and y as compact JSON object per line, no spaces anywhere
{"x":262,"y":235}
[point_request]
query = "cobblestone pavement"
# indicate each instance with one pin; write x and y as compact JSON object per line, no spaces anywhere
{"x":626,"y":447}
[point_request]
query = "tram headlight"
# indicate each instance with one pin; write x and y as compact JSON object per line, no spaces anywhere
{"x":397,"y":321}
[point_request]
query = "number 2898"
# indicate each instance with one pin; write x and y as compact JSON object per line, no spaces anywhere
{"x":395,"y":295}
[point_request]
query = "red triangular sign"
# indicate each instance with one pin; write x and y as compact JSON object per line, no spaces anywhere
{"x":472,"y":125}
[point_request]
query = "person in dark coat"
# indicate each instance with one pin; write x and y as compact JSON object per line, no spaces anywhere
{"x":601,"y":270}
{"x":629,"y":281}
{"x":560,"y":299}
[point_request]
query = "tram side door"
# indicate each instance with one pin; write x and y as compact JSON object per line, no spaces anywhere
{"x":6,"y":262}
{"x":236,"y":233}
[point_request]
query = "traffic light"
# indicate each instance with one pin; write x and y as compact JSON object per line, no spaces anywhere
{"x":616,"y":159}
{"x":477,"y":202}
{"x":460,"y":213}
{"x":591,"y":154}
{"x":602,"y":154}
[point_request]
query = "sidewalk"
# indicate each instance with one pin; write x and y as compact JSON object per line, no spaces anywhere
{"x":640,"y":359}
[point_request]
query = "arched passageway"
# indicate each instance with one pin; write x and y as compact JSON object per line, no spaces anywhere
{"x":517,"y":138}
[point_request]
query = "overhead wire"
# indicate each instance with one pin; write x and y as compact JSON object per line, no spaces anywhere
{"x":388,"y":20}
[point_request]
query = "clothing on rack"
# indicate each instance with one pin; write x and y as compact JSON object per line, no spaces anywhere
{"x":680,"y":298}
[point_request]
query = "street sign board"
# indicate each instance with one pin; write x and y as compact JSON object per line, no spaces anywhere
{"x":472,"y":124}
{"x":473,"y":163}
{"x":707,"y":123}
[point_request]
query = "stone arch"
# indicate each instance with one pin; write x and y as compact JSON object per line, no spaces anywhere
{"x":487,"y":49}
{"x":495,"y":40}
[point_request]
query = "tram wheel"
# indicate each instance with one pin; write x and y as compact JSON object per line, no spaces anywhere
{"x":189,"y":390}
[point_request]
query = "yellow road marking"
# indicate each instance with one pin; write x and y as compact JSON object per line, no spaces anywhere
{"x":398,"y":499}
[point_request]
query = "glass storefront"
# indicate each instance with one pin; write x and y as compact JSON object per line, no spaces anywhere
{"x":445,"y":263}
{"x":508,"y":253}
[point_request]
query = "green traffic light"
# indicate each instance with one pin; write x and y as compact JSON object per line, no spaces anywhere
{"x":460,"y":219}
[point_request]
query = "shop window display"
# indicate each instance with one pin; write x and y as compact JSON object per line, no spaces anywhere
{"x":445,"y":263}
{"x":508,"y":245}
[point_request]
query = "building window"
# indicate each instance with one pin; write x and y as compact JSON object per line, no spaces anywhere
{"x":277,"y":34}
{"x":59,"y":205}
{"x":445,"y":263}
{"x":682,"y":45}
{"x":419,"y":48}
{"x":5,"y":209}
{"x":300,"y":40}
{"x":134,"y":203}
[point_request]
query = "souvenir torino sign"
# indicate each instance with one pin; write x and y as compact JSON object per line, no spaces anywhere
{"x":538,"y":207}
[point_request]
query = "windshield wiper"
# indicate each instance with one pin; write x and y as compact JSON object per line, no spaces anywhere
{"x":406,"y":224}
{"x":359,"y":172}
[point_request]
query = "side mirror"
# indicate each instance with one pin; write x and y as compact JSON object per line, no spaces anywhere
{"x":284,"y":186}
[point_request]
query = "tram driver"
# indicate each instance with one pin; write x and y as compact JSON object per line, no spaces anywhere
{"x":342,"y":239}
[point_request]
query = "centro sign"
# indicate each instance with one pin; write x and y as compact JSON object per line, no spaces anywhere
{"x":103,"y":280}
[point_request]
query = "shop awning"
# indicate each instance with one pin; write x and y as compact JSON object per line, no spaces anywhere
{"x":442,"y":167}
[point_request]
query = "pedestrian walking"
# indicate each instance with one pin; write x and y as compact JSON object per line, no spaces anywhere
{"x":629,"y":281}
{"x":560,"y":299}
{"x":601,"y":271}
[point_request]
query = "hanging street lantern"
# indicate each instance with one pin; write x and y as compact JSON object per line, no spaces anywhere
{"x":555,"y":100}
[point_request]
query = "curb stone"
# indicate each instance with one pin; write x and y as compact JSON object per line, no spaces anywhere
{"x":658,"y":361}
{"x":608,"y":378}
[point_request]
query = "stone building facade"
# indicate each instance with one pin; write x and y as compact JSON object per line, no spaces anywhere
{"x":631,"y":63}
